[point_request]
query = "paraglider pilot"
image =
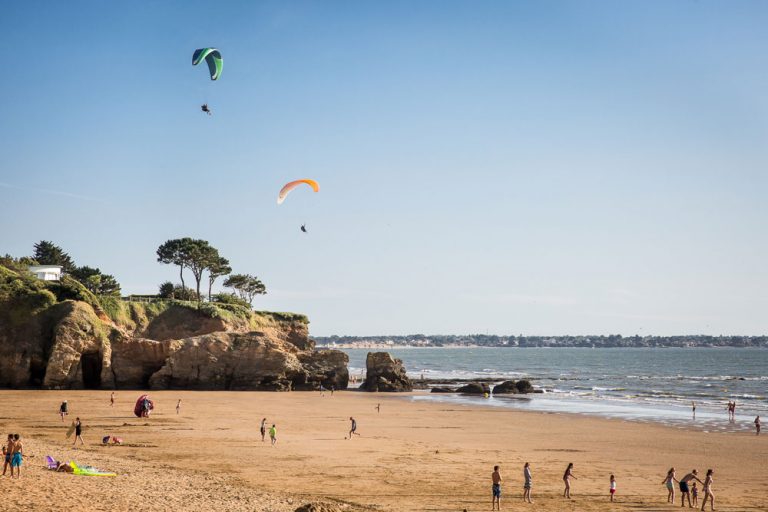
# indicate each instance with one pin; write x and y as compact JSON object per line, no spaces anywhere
{"x":204,"y":108}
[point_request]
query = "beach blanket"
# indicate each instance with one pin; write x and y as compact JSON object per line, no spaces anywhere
{"x":89,"y":471}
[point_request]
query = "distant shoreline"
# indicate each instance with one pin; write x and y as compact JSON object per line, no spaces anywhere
{"x":384,"y":346}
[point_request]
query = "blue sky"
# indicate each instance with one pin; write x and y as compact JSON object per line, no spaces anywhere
{"x":502,"y":167}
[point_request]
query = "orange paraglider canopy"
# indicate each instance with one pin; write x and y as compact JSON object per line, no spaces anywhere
{"x":292,"y":185}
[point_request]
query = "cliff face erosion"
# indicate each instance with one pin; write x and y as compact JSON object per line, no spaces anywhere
{"x":59,"y":336}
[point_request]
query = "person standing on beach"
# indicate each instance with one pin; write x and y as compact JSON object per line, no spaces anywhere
{"x":352,"y":427}
{"x":567,"y":479}
{"x":178,"y":406}
{"x":528,"y":483}
{"x":18,"y":450}
{"x":685,"y":490}
{"x":695,"y":495}
{"x":378,"y":408}
{"x":273,"y":434}
{"x":263,"y":428}
{"x":63,"y":410}
{"x":7,"y":452}
{"x":693,"y":407}
{"x":708,"y":491}
{"x":78,"y":432}
{"x":757,"y":426}
{"x":496,"y":489}
{"x":613,"y":486}
{"x":112,"y":399}
{"x":669,"y":481}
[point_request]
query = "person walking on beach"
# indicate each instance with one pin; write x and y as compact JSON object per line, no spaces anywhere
{"x":78,"y":432}
{"x":757,"y":426}
{"x":708,"y":491}
{"x":112,"y":399}
{"x":263,"y":428}
{"x":685,"y":491}
{"x":567,"y":479}
{"x":178,"y":406}
{"x":7,"y":452}
{"x":378,"y":409}
{"x":352,"y":427}
{"x":613,"y":486}
{"x":693,"y":408}
{"x":273,"y":434}
{"x":63,"y":410}
{"x":528,"y":483}
{"x":496,"y":489}
{"x":669,"y":481}
{"x":18,"y":450}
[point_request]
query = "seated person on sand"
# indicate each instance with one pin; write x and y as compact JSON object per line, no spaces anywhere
{"x":62,"y":467}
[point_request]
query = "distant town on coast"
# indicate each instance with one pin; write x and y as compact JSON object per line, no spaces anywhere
{"x":486,"y":340}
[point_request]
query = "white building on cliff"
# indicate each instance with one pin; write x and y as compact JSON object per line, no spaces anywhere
{"x":46,"y":272}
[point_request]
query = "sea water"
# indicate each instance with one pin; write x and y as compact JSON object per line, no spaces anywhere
{"x":640,"y":384}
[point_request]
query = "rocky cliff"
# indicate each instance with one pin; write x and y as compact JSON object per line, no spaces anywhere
{"x":384,"y":373}
{"x":58,"y":336}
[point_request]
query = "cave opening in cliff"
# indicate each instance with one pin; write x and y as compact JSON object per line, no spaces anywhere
{"x":90,"y":364}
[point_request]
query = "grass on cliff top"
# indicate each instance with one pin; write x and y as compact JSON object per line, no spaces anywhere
{"x":283,"y":316}
{"x":23,"y":295}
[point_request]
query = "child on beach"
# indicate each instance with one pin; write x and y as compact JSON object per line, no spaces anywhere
{"x":669,"y":481}
{"x":613,"y":486}
{"x":708,"y":491}
{"x":695,"y":494}
{"x":567,"y":479}
{"x":7,"y":451}
{"x":528,"y":482}
{"x":352,"y":427}
{"x":273,"y":434}
{"x":78,"y":432}
{"x":18,"y":451}
{"x":496,"y":489}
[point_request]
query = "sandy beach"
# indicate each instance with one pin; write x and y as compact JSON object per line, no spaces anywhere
{"x":410,"y":456}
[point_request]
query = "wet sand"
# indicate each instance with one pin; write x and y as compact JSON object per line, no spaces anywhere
{"x":411,"y":456}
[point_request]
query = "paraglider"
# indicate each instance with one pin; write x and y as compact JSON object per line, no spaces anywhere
{"x":292,"y":185}
{"x":303,"y":228}
{"x":212,"y":57}
{"x":204,"y":108}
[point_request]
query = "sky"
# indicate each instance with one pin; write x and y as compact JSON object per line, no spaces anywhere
{"x":547,"y":167}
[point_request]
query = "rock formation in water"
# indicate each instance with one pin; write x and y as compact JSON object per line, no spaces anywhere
{"x":383,"y":373}
{"x":511,"y":386}
{"x":474,"y":388}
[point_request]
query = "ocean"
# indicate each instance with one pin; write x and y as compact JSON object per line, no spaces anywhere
{"x":638,"y":384}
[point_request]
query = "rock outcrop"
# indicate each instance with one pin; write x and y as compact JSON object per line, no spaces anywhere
{"x":474,"y":388}
{"x":442,"y":390}
{"x":247,"y":361}
{"x":383,"y":373}
{"x":511,"y":386}
{"x":60,"y":336}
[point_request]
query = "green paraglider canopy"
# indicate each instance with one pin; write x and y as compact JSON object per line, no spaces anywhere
{"x":212,"y":57}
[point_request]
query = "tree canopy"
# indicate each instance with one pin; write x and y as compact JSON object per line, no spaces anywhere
{"x":95,"y":281}
{"x":48,"y":253}
{"x":246,"y":286}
